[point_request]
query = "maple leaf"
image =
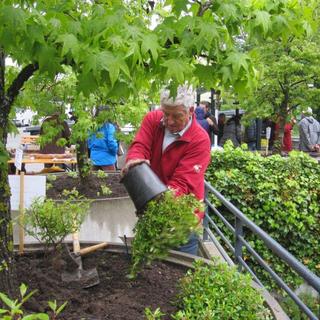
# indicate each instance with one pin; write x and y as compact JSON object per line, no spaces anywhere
{"x":176,"y":69}
{"x":263,"y":20}
{"x":237,"y":60}
{"x":150,"y":43}
{"x":70,"y":43}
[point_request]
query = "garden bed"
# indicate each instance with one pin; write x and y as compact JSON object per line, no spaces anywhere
{"x":116,"y":297}
{"x":90,"y":189}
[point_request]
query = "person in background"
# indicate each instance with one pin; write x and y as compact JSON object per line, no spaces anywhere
{"x":232,"y":131}
{"x":286,"y":145}
{"x":250,"y":135}
{"x":103,"y":145}
{"x":200,"y":116}
{"x":176,"y":147}
{"x":210,"y":119}
{"x":221,"y":122}
{"x":309,"y":132}
{"x":54,"y":128}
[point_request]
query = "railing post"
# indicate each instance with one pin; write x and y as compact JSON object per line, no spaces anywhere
{"x":238,"y":244}
{"x":205,"y":219}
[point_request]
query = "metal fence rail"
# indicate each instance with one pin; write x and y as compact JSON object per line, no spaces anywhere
{"x":236,"y":248}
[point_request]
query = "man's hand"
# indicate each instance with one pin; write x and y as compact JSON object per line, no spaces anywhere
{"x":132,"y":163}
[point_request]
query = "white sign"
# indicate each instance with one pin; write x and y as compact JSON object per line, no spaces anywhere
{"x":18,"y":158}
{"x":34,"y":187}
{"x":268,"y":133}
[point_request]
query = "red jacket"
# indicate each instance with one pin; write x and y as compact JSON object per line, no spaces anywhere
{"x":183,"y":163}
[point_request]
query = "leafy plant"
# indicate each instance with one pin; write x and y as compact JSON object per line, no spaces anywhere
{"x":72,"y":174}
{"x":101,"y":174}
{"x":281,"y":195}
{"x":153,"y":315}
{"x":166,"y":224}
{"x":217,"y":291}
{"x":14,"y":310}
{"x":50,"y":221}
{"x":105,"y":190}
{"x":51,"y":177}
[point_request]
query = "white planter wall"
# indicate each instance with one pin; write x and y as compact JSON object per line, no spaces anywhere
{"x":107,"y":220}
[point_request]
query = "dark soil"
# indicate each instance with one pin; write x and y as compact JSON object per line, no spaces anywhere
{"x":90,"y":188}
{"x":115,"y":298}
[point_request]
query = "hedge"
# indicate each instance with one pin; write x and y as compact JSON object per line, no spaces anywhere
{"x":281,"y":195}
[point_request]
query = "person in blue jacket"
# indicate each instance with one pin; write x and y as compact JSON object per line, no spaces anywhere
{"x":103,"y":147}
{"x":200,"y":116}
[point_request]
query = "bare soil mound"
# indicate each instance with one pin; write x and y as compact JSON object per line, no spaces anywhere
{"x":115,"y":298}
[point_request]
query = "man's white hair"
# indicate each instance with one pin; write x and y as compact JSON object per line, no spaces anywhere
{"x":185,"y":97}
{"x":309,"y":111}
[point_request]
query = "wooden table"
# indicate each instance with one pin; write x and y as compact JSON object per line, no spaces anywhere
{"x":32,"y":159}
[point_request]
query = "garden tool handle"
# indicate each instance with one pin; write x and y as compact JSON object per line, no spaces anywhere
{"x":92,"y":248}
{"x":76,"y":242}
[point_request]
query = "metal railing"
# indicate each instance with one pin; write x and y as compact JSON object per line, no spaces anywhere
{"x":240,"y":243}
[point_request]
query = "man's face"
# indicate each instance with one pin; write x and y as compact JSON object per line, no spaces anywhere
{"x":175,"y":118}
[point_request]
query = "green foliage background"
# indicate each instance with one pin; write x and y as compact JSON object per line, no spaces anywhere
{"x":281,"y":195}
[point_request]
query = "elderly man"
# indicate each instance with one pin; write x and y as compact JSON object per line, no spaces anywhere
{"x":309,"y":132}
{"x":175,"y":146}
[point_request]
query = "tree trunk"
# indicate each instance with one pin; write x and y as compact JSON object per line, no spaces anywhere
{"x":82,"y":160}
{"x":7,"y":272}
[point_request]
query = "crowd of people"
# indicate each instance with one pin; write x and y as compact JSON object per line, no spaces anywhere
{"x":232,"y":129}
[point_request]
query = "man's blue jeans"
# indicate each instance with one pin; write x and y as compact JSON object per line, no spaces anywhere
{"x":191,"y":246}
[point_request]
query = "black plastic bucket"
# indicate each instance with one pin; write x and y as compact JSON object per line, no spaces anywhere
{"x":142,"y":185}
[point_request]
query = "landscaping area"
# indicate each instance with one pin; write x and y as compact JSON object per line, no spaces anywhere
{"x":102,"y":64}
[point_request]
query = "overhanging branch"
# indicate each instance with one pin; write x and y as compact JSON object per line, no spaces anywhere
{"x":19,"y":81}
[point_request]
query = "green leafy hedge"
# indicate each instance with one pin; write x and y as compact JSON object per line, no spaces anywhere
{"x":281,"y":195}
{"x":218,"y":291}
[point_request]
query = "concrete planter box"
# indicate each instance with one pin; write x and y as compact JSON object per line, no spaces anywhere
{"x":106,"y":221}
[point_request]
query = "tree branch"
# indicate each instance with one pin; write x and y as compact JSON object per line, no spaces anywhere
{"x":281,"y":86}
{"x":297,"y":82}
{"x":203,"y":7}
{"x":19,"y":81}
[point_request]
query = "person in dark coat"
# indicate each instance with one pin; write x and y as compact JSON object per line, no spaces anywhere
{"x":232,"y":131}
{"x":250,"y":135}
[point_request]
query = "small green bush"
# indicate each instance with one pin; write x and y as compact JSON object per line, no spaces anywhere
{"x":166,"y":224}
{"x":50,"y":221}
{"x":217,"y":291}
{"x":281,"y":195}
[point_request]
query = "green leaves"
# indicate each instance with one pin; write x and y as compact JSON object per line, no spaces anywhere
{"x":177,"y":69}
{"x":262,"y":20}
{"x":281,"y":195}
{"x":69,"y":43}
{"x":217,"y":291}
{"x":150,"y":43}
{"x":166,"y":224}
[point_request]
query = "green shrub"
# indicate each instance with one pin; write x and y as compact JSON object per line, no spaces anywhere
{"x":290,"y":307}
{"x":50,"y":221}
{"x":166,"y":224}
{"x":217,"y":291}
{"x":281,"y":195}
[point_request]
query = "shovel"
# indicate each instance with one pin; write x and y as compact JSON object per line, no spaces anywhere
{"x":74,"y":271}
